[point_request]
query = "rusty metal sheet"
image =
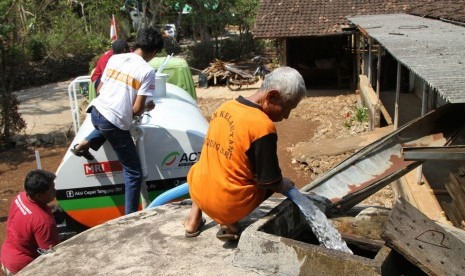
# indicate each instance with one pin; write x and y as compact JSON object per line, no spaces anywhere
{"x":381,"y":162}
{"x":423,"y":242}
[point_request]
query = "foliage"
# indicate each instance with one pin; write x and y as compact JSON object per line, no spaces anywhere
{"x":200,"y":55}
{"x":361,"y":114}
{"x":35,"y":30}
{"x":37,"y":48}
{"x":61,"y":28}
{"x":234,"y":47}
{"x":14,"y":121}
{"x":358,"y":115}
{"x":245,"y":12}
{"x":171,"y":46}
{"x":208,"y":18}
{"x":58,"y":29}
{"x":240,"y":47}
{"x":11,"y":60}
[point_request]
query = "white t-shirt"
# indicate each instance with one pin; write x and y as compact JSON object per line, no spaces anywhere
{"x":124,"y":77}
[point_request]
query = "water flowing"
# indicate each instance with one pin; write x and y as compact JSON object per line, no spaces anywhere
{"x":325,"y":232}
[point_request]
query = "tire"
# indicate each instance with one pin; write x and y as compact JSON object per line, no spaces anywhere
{"x":233,"y":85}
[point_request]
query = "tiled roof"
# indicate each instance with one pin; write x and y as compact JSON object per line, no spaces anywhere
{"x":297,"y":18}
{"x":446,"y":9}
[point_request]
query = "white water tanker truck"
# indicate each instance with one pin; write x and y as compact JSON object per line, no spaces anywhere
{"x":168,"y":139}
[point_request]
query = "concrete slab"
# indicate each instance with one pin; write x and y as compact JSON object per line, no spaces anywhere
{"x":152,"y":242}
{"x":149,"y":242}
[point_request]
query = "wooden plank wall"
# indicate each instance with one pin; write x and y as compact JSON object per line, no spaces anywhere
{"x":455,"y":210}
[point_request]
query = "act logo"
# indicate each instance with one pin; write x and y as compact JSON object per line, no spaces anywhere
{"x":170,"y":159}
{"x":176,"y":159}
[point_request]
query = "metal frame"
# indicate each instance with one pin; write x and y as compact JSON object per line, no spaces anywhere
{"x":73,"y":101}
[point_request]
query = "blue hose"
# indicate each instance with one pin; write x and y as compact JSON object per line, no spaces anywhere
{"x":170,"y":195}
{"x":291,"y":193}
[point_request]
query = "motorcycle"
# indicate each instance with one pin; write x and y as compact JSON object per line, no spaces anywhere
{"x":237,"y":77}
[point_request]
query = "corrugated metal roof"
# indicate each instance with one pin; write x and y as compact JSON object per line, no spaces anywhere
{"x":432,"y":49}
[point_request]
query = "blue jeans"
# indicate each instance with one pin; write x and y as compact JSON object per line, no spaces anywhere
{"x":123,"y":145}
{"x":95,"y":139}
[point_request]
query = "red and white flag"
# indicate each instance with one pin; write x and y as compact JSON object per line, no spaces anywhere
{"x":113,"y":30}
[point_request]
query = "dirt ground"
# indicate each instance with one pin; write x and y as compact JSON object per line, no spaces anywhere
{"x":322,"y":114}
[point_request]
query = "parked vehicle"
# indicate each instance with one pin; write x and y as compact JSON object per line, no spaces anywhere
{"x":170,"y":29}
{"x":236,"y":77}
{"x":168,"y":139}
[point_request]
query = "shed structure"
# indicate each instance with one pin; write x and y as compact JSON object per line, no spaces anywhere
{"x":430,"y":51}
{"x":429,"y":55}
{"x":316,"y":38}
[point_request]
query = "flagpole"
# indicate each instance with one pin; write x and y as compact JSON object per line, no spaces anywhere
{"x":113,"y":29}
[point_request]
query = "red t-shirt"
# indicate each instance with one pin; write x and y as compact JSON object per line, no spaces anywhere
{"x":101,"y":63}
{"x":30,"y":226}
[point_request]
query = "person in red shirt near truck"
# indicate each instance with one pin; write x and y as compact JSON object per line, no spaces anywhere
{"x":31,"y":229}
{"x":117,"y":47}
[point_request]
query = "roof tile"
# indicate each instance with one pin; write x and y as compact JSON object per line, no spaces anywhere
{"x":297,"y":18}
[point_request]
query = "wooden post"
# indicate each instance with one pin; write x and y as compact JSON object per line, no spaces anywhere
{"x":370,"y":42}
{"x":424,"y":106}
{"x":357,"y":52}
{"x":378,"y":71}
{"x":424,"y":100}
{"x":362,"y":52}
{"x":396,"y":106}
{"x":285,"y":53}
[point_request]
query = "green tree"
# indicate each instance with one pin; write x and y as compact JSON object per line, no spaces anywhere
{"x":34,"y":30}
{"x":245,"y":12}
{"x":209,"y":17}
{"x":12,"y":32}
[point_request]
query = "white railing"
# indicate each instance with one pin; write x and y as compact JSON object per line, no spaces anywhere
{"x":73,"y":101}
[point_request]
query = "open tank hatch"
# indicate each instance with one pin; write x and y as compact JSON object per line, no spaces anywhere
{"x":283,"y":243}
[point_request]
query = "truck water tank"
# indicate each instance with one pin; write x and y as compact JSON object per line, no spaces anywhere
{"x":170,"y":140}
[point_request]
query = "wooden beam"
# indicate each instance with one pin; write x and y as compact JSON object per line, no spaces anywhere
{"x":385,"y":113}
{"x":362,"y":242}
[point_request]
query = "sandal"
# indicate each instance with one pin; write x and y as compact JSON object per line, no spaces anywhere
{"x":196,"y":233}
{"x":82,"y":152}
{"x":224,"y":236}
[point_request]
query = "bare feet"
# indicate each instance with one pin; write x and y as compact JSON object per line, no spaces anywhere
{"x":230,"y":228}
{"x":194,"y":221}
{"x":229,"y":232}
